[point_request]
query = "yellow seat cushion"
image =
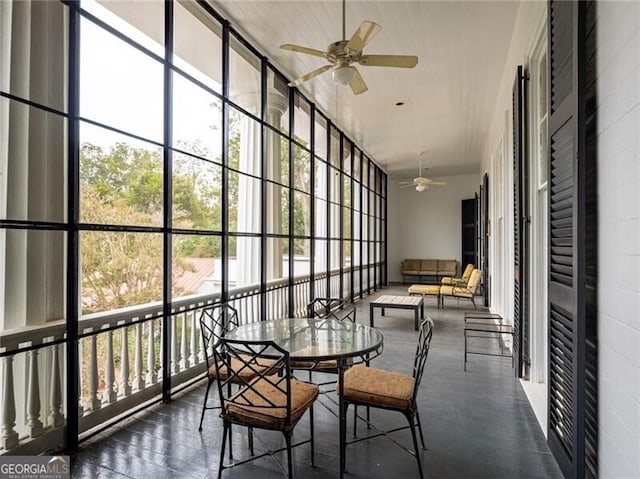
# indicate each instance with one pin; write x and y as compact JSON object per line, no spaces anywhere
{"x":424,"y":289}
{"x":379,"y":387}
{"x":455,"y":291}
{"x":252,"y":406}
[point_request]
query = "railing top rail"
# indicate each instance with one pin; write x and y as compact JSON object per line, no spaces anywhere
{"x":33,"y":335}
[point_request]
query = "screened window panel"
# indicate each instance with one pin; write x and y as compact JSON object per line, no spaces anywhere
{"x":197,"y":120}
{"x":197,"y":193}
{"x":119,"y":269}
{"x":34,"y":165}
{"x":121,"y":179}
{"x":197,"y":44}
{"x":302,"y":120}
{"x":243,"y":203}
{"x":320,"y":132}
{"x":141,"y":22}
{"x":277,"y":158}
{"x":244,"y":76}
{"x":196,"y":265}
{"x":277,"y":209}
{"x":245,"y":144}
{"x":301,"y":214}
{"x":301,"y":169}
{"x":244,"y":261}
{"x":121,"y":86}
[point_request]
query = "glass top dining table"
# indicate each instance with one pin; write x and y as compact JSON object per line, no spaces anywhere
{"x":315,"y":340}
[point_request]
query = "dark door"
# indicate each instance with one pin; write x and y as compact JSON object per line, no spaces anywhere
{"x":572,"y":425}
{"x":468,"y":233}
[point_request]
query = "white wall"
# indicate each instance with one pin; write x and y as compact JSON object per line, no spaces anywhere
{"x":618,"y":84}
{"x":427,"y":224}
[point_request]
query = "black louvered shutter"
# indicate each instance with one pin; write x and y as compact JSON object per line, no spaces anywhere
{"x":568,"y":383}
{"x":520,"y":215}
{"x":484,"y":234}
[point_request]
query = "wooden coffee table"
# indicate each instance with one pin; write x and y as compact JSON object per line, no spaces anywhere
{"x":415,"y":303}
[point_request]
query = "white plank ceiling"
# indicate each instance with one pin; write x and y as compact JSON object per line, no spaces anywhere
{"x":449,"y":98}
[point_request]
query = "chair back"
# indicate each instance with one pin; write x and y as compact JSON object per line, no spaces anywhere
{"x":334,"y":308}
{"x":263,"y":372}
{"x":422,"y":351}
{"x":215,"y":321}
{"x":467,"y":272}
{"x":474,"y":281}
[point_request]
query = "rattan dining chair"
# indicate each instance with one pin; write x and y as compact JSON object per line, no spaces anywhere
{"x":382,"y":389}
{"x":273,"y":399}
{"x":215,"y":322}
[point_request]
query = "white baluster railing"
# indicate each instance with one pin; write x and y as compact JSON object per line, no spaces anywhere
{"x":152,"y":376}
{"x":8,"y":434}
{"x":93,"y":402}
{"x":103,"y":394}
{"x":138,"y":375}
{"x":109,"y":393}
{"x":56,"y":418}
{"x":125,"y":388}
{"x":34,"y":425}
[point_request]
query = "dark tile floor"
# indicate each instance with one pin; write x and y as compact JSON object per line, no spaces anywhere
{"x":477,"y":424}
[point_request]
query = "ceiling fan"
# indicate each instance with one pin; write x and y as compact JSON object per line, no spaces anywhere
{"x":343,"y":53}
{"x":421,"y":182}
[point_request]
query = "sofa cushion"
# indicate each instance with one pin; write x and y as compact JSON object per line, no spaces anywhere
{"x":429,"y":266}
{"x":412,"y":265}
{"x":447,"y":267}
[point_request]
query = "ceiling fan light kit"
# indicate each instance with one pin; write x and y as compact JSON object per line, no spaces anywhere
{"x":343,"y":53}
{"x":344,"y":75}
{"x":421,"y":187}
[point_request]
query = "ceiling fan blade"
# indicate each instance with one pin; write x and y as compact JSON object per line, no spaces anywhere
{"x":363,"y":35}
{"x":398,"y":61}
{"x":438,"y":183}
{"x":402,"y":187}
{"x":358,"y":85}
{"x":310,"y":75}
{"x":305,"y":50}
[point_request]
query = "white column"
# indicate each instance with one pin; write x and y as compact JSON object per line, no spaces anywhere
{"x":249,"y":204}
{"x":32,"y":161}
